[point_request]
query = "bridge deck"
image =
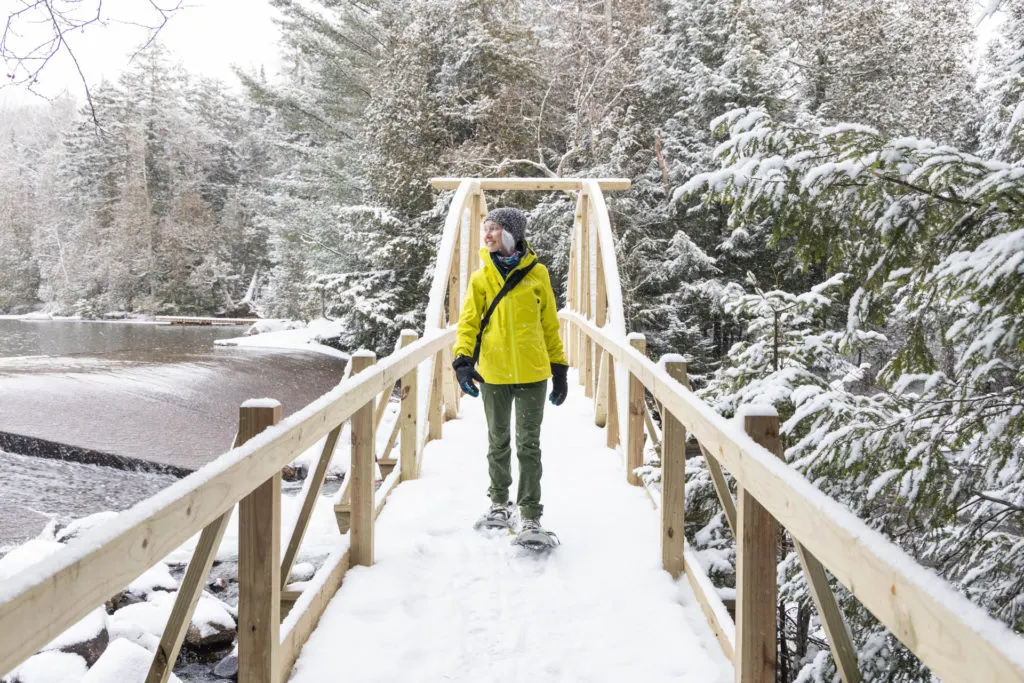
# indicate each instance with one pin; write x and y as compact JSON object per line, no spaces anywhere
{"x":445,"y":603}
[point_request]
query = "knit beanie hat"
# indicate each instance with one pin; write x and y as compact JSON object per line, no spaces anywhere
{"x":512,"y":221}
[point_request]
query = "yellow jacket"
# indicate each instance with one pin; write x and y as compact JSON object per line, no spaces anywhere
{"x":521,"y":340}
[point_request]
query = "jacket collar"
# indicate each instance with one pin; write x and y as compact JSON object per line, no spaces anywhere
{"x":529,"y":257}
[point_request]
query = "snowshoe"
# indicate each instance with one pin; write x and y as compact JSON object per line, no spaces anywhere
{"x":499,"y":516}
{"x":533,"y":537}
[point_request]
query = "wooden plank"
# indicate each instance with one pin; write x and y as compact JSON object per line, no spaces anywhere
{"x":450,"y":386}
{"x":612,"y":436}
{"x":839,"y":641}
{"x":756,"y":589}
{"x":309,"y":502}
{"x":200,"y":320}
{"x":533,"y":184}
{"x":361,"y":473}
{"x":586,"y":374}
{"x":188,"y":597}
{"x":956,"y":639}
{"x":635,"y":427}
{"x":673,"y":485}
{"x":435,"y":400}
{"x":571,"y":294}
{"x":477,"y":212}
{"x":652,"y":431}
{"x":408,"y":454}
{"x":259,"y":561}
{"x":600,"y":319}
{"x":722,"y":489}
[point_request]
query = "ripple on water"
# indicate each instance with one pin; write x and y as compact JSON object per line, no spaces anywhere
{"x":36,"y":490}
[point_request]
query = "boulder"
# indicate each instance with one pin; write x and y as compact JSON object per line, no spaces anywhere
{"x":212,"y":626}
{"x":227,"y":668}
{"x":88,"y":638}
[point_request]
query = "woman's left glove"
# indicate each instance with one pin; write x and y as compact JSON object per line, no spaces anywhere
{"x":465,"y":372}
{"x":559,"y":383}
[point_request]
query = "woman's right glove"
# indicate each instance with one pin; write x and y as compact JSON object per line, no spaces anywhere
{"x":559,"y":383}
{"x":465,"y":372}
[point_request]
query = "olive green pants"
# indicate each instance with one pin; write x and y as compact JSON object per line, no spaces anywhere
{"x":529,"y":403}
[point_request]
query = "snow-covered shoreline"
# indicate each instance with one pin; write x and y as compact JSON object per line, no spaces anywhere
{"x":291,"y":335}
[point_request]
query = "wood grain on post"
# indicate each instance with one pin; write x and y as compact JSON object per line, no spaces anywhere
{"x":673,"y":483}
{"x":408,"y":456}
{"x":361,"y":473}
{"x":635,"y":428}
{"x":612,"y":438}
{"x":476,"y":219}
{"x":756,"y":589}
{"x":435,"y":399}
{"x":259,"y":560}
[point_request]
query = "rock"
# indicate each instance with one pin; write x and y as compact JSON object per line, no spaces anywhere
{"x":50,"y":667}
{"x":123,"y":662}
{"x":212,"y":625}
{"x":303,"y":571}
{"x":289,"y":473}
{"x":80,"y":526}
{"x":218,"y":585}
{"x":88,"y":638}
{"x":227,"y":668}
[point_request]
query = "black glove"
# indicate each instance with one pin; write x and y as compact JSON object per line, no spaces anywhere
{"x":465,"y":371}
{"x":559,"y":384}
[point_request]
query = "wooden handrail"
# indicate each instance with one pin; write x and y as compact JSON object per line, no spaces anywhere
{"x":951,"y":635}
{"x":40,"y":603}
{"x":532,"y":184}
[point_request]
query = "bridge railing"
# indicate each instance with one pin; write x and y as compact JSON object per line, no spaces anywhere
{"x":41,"y":602}
{"x":956,"y":639}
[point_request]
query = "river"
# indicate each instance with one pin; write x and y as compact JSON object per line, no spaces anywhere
{"x":156,"y":394}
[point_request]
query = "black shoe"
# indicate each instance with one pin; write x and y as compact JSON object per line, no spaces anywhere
{"x":497,"y":517}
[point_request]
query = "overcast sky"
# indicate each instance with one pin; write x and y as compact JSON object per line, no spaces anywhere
{"x":207,"y":36}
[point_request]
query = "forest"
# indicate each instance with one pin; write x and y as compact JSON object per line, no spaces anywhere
{"x":826,"y":215}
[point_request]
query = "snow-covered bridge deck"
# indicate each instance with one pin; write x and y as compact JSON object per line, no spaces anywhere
{"x":444,"y":603}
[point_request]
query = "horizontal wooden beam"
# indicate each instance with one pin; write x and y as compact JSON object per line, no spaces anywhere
{"x":951,"y":635}
{"x":40,"y":603}
{"x":533,"y":184}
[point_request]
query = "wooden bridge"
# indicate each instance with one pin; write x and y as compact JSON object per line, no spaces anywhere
{"x":954,"y":638}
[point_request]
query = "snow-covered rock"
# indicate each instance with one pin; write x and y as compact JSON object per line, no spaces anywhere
{"x":302,"y":571}
{"x":264,"y":326}
{"x":212,"y":622}
{"x":80,"y":526}
{"x":156,"y":578}
{"x":123,"y":662}
{"x":51,"y":667}
{"x":88,"y":638}
{"x":36,"y":315}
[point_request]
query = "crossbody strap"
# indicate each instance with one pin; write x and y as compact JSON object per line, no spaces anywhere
{"x":514,"y":278}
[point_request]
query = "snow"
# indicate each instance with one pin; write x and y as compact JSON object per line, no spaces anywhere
{"x":122,"y":662}
{"x":53,"y":667}
{"x":211,"y":615}
{"x":301,"y":339}
{"x":671,"y":358}
{"x":443,"y":602}
{"x":85,"y":630}
{"x":157,"y":577}
{"x":755,"y":410}
{"x":26,"y":555}
{"x":84,"y":524}
{"x":261,"y":403}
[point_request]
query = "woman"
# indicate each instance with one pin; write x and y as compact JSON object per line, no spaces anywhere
{"x":518,"y":350}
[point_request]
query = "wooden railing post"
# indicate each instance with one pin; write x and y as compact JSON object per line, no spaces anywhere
{"x":360,"y":473}
{"x":756,"y":589}
{"x":600,"y":319}
{"x":585,"y":355}
{"x":408,"y":457}
{"x":612,"y":424}
{"x":435,"y":399}
{"x":259,"y":560}
{"x":673,"y":481}
{"x":635,"y":427}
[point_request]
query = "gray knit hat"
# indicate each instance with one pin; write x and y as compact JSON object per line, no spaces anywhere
{"x":511,"y":220}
